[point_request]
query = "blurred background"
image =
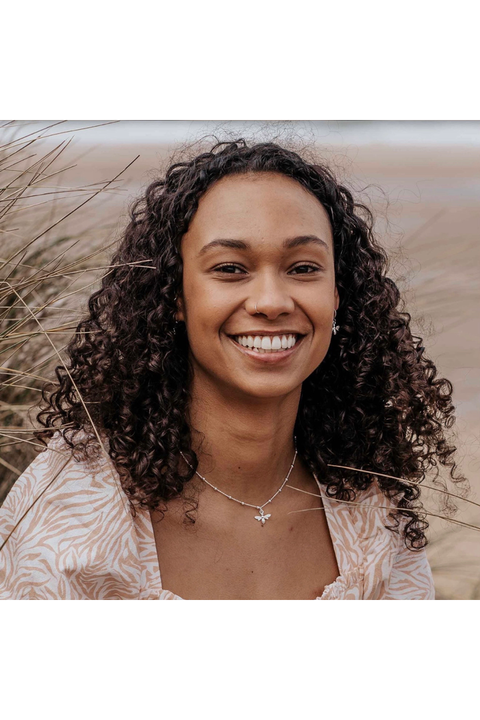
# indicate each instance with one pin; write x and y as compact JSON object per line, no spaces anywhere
{"x":65,"y":189}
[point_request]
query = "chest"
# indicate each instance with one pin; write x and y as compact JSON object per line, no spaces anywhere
{"x":290,"y":557}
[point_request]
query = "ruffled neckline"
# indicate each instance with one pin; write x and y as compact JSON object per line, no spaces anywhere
{"x":338,"y":588}
{"x":334,"y":591}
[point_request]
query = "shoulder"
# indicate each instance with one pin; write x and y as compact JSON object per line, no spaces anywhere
{"x":392,"y":570}
{"x":371,"y":510}
{"x":62,"y":521}
{"x":57,"y":483}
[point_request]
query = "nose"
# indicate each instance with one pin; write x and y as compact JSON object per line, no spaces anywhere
{"x":269,"y":297}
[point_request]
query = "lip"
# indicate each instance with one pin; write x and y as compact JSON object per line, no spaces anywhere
{"x":269,"y":358}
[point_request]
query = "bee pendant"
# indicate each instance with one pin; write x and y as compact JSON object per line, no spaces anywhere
{"x":262,"y":517}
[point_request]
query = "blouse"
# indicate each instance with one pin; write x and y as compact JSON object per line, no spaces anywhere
{"x":68,"y":533}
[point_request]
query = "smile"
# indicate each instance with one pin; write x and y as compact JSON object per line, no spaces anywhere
{"x":267,"y":343}
{"x":267,"y":348}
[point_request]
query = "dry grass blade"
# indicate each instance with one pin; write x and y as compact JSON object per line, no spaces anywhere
{"x":62,"y":297}
{"x":35,"y":501}
{"x":37,"y":237}
{"x":57,"y":259}
{"x":26,"y":431}
{"x":9,"y":167}
{"x":19,"y":429}
{"x":50,"y":331}
{"x":63,"y":132}
{"x":19,"y":150}
{"x":428,"y":223}
{"x":35,"y":132}
{"x":79,"y":191}
{"x":407,"y":482}
{"x":10,"y":467}
{"x":39,"y":307}
{"x":14,"y":197}
{"x":23,"y":373}
{"x":38,"y":172}
{"x":26,"y":387}
{"x":28,"y":373}
{"x":16,"y":347}
{"x":67,"y":371}
{"x":379,"y":507}
{"x":67,"y":273}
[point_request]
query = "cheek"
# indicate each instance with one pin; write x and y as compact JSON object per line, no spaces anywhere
{"x":322,"y":333}
{"x":207,"y":305}
{"x":205,"y":315}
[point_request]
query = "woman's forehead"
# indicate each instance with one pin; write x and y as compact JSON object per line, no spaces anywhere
{"x":258,"y":205}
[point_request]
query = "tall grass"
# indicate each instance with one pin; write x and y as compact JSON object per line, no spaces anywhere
{"x":53,"y":254}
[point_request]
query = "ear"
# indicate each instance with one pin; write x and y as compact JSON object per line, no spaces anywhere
{"x":337,"y":298}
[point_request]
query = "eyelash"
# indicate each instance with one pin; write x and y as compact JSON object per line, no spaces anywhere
{"x":234,"y":265}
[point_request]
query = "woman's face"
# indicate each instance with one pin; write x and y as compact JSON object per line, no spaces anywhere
{"x":258,"y":240}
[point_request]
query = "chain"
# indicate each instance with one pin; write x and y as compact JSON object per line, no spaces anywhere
{"x":262,"y":516}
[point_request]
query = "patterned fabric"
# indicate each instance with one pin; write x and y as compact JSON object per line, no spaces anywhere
{"x":79,"y":540}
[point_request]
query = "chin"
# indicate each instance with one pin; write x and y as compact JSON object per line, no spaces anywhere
{"x":264,"y":391}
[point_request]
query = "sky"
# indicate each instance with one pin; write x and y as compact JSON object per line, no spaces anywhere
{"x":408,"y":133}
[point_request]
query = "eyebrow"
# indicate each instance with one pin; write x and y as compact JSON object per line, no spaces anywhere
{"x":288,"y":244}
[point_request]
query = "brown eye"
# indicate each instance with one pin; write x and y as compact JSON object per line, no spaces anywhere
{"x":229,"y":269}
{"x":305,"y":269}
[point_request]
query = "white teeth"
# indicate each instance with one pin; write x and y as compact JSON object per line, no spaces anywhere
{"x":267,"y":343}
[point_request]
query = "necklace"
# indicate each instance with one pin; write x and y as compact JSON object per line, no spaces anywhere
{"x":262,"y":518}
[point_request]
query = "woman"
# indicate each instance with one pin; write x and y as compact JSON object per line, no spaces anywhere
{"x":245,"y":344}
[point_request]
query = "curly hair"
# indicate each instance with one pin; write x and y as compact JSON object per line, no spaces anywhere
{"x":375,"y":401}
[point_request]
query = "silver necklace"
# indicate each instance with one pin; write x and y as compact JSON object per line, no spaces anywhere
{"x":262,"y":518}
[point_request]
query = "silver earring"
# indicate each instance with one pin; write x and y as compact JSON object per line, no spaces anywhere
{"x":335,"y":327}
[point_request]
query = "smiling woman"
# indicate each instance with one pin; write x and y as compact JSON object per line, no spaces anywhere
{"x":273,"y":277}
{"x":211,"y":398}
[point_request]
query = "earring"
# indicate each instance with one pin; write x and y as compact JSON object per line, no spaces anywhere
{"x":335,"y":327}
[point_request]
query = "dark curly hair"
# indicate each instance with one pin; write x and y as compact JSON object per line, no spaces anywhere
{"x":375,"y":401}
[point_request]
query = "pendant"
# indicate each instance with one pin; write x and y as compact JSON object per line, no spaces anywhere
{"x":262,"y":517}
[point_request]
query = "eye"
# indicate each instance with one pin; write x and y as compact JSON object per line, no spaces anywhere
{"x":229,"y":269}
{"x":306,"y":269}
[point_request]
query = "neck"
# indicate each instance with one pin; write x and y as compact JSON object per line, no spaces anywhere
{"x":245,"y":447}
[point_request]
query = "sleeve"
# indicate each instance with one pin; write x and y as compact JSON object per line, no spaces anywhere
{"x":65,"y":533}
{"x":411,"y":576}
{"x":22,"y":524}
{"x":391,"y":570}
